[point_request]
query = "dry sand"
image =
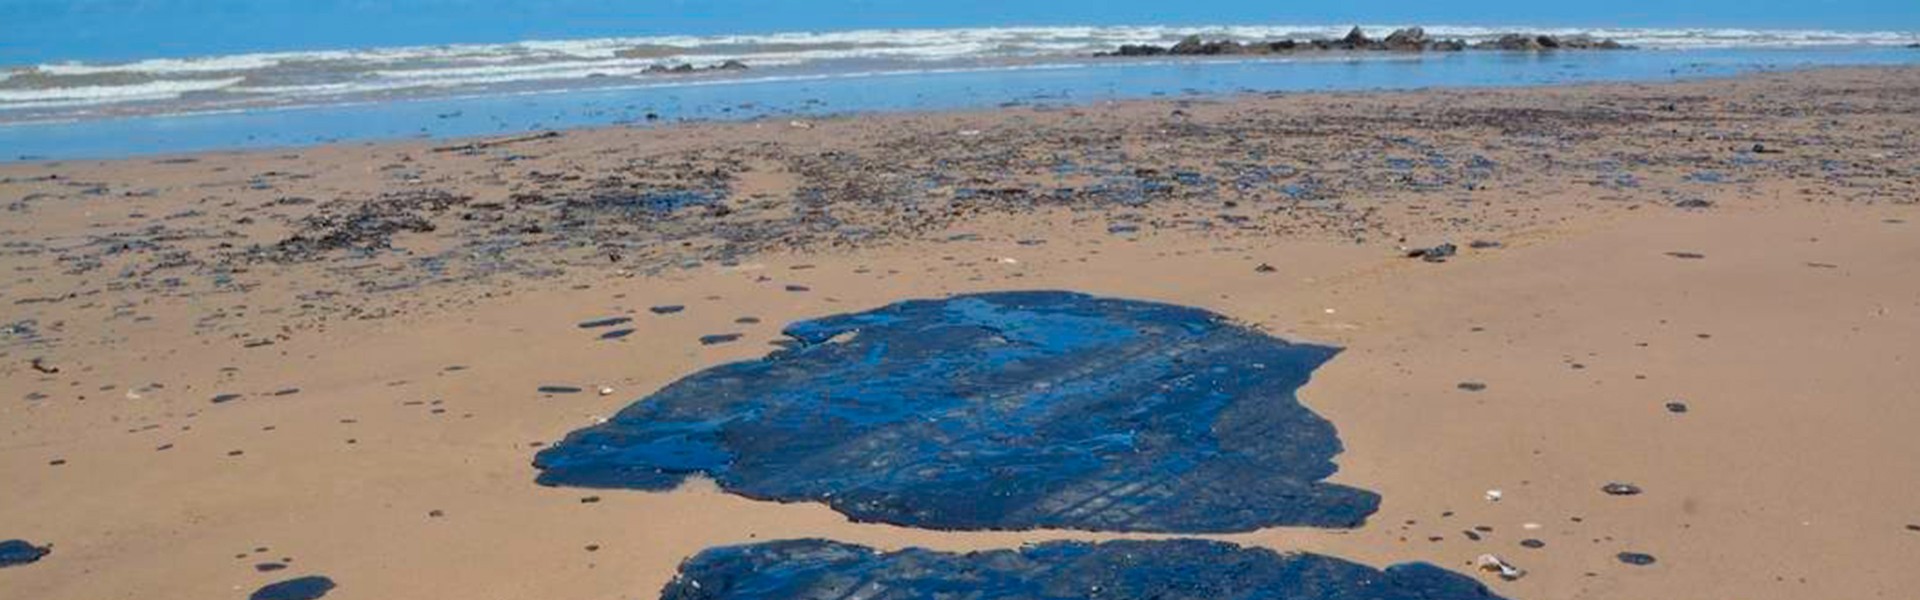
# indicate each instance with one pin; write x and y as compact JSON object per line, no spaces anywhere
{"x":400,"y":467}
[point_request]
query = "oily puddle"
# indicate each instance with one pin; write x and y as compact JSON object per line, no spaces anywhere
{"x":1007,"y":411}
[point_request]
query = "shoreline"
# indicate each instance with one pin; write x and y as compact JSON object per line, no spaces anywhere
{"x":244,"y":127}
{"x":387,"y":315}
{"x":883,"y":115}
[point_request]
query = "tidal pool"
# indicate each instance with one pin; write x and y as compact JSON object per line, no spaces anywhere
{"x":1010,"y":410}
{"x":1123,"y":570}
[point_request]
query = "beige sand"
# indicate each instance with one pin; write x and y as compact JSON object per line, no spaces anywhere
{"x":1793,"y":341}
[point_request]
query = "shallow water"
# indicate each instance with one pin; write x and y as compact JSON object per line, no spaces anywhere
{"x":1010,"y":410}
{"x":846,"y":90}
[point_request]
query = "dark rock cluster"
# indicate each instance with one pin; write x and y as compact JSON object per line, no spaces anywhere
{"x":684,"y":68}
{"x":1514,"y":41}
{"x":1411,"y":39}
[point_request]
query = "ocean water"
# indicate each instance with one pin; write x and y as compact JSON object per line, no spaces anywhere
{"x":69,"y":109}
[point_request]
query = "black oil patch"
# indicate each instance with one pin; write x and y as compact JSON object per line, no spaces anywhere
{"x":997,"y":411}
{"x":1121,"y":570}
{"x":14,"y":553}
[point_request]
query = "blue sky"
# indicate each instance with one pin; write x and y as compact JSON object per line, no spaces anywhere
{"x":34,"y":31}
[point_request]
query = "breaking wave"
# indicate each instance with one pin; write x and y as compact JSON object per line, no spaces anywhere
{"x":162,"y":85}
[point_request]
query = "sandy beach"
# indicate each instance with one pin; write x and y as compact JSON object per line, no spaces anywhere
{"x":330,"y":359}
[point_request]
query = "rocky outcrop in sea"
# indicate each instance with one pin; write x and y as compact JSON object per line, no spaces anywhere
{"x":1411,"y":39}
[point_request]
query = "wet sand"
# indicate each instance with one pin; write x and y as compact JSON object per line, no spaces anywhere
{"x":332,"y":357}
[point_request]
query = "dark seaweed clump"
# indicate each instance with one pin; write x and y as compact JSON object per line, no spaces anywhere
{"x":1123,"y":570}
{"x":997,"y":411}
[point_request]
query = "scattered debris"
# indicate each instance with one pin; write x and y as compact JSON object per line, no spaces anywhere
{"x":1636,"y":559}
{"x":484,"y":144}
{"x":1621,"y":489}
{"x":606,"y":322}
{"x":1499,"y":566}
{"x":1436,"y":254}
